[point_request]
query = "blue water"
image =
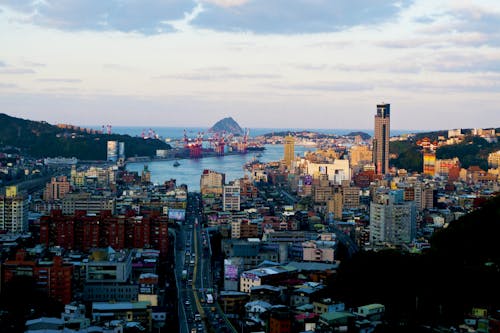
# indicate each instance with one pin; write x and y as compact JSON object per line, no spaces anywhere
{"x":190,"y":170}
{"x":178,"y":132}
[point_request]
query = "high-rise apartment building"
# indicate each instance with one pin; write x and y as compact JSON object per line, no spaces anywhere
{"x":392,"y":220}
{"x":231,"y":198}
{"x":56,"y":189}
{"x":381,"y":139}
{"x":13,"y":211}
{"x":289,"y":151}
{"x":212,"y":182}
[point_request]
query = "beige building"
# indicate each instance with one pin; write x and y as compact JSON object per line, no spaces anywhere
{"x":360,"y":155}
{"x":494,"y":160}
{"x":212,"y":182}
{"x":318,"y":251}
{"x":56,"y":189}
{"x":335,"y":205}
{"x":244,"y":228}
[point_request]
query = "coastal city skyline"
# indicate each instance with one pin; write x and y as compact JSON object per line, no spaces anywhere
{"x":243,"y":166}
{"x":267,"y":64}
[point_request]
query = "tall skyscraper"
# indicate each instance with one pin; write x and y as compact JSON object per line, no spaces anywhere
{"x":289,"y":151}
{"x":381,"y":139}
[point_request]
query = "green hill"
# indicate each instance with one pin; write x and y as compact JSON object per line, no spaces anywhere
{"x":472,"y":151}
{"x":40,"y":139}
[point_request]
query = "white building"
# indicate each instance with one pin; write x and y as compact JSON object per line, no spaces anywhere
{"x":337,"y":171}
{"x":231,"y":198}
{"x":392,"y":220}
{"x":13,"y":211}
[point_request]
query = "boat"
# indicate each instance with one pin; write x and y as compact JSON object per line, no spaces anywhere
{"x":176,"y":164}
{"x":259,"y":155}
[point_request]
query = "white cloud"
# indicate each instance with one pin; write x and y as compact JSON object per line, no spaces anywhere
{"x":226,"y":3}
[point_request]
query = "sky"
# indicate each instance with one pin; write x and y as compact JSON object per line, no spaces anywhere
{"x":266,"y":63}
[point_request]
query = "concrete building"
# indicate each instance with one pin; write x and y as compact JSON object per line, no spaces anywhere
{"x":13,"y":211}
{"x":245,"y":228}
{"x":335,"y":205}
{"x":337,"y":171}
{"x":360,"y":155}
{"x":494,"y":160}
{"x":319,"y":251}
{"x":392,"y":220}
{"x":56,"y":189}
{"x":381,"y":139}
{"x":212,"y":182}
{"x":92,"y":204}
{"x":140,"y":312}
{"x":52,"y":276}
{"x":108,"y":277}
{"x":260,"y":276}
{"x":231,"y":198}
{"x":350,"y":196}
{"x":327,"y":305}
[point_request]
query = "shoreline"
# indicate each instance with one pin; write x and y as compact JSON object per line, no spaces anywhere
{"x":141,"y":159}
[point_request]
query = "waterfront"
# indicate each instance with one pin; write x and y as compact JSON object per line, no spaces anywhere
{"x":190,"y":170}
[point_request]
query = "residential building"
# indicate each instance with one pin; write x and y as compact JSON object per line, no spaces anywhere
{"x":360,"y":155}
{"x":494,"y":160}
{"x":13,"y":211}
{"x":56,"y":189}
{"x":52,"y":276}
{"x":127,"y":311}
{"x":108,"y":276}
{"x":392,"y":220}
{"x":92,"y":204}
{"x":212,"y":182}
{"x":319,"y":251}
{"x":231,"y":198}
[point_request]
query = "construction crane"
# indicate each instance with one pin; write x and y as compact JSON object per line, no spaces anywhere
{"x":106,"y":129}
{"x":195,"y":148}
{"x":244,"y":143}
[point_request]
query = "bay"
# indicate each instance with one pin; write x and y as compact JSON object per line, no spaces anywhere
{"x":190,"y":170}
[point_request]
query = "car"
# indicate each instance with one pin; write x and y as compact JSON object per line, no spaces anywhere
{"x":187,"y":302}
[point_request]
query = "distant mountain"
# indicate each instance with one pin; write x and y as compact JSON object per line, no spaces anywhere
{"x":41,"y":139}
{"x":228,"y":125}
{"x":363,"y":135}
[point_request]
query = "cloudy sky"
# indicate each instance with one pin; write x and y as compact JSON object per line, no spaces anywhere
{"x":266,"y":63}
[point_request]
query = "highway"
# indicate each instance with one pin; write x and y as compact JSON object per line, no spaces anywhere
{"x":193,"y":256}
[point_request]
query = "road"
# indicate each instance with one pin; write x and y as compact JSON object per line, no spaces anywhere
{"x":193,"y":255}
